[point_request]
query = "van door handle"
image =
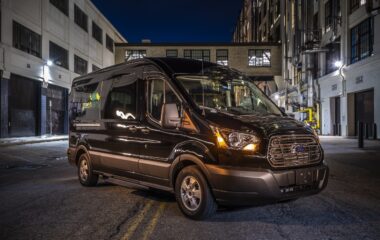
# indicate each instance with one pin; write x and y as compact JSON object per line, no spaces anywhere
{"x":132,"y":129}
{"x":145,"y":130}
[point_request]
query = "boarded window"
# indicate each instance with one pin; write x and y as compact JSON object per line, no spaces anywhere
{"x":62,"y":5}
{"x":26,"y":40}
{"x":80,"y":65}
{"x":58,"y":55}
{"x":80,"y":18}
{"x":109,"y":43}
{"x":97,"y":33}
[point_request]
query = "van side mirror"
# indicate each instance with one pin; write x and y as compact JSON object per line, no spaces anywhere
{"x":170,"y":117}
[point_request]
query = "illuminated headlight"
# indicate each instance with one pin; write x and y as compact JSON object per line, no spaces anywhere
{"x":227,"y":138}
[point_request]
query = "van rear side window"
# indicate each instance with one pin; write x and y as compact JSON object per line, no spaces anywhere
{"x":86,"y":102}
{"x":121,"y":100}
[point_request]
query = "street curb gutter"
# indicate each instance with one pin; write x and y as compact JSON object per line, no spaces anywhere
{"x":12,"y":142}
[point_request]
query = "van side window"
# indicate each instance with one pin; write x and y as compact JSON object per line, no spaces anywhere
{"x":160,"y":93}
{"x":171,"y":97}
{"x":85,"y":104}
{"x":121,"y":100}
{"x":156,"y":98}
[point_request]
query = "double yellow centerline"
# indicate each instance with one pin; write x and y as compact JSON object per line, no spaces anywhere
{"x":139,"y":218}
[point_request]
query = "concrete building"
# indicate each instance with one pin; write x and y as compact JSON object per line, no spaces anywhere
{"x":262,"y":62}
{"x":330,"y":50}
{"x":44,"y":45}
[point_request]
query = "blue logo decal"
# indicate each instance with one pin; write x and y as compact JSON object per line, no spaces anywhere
{"x":298,"y":148}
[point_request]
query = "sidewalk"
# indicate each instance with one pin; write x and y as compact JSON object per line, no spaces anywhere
{"x":349,"y":144}
{"x":27,"y":140}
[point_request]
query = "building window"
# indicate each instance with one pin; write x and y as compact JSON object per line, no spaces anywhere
{"x":362,"y":40}
{"x":332,"y":56}
{"x":95,"y":68}
{"x":109,"y":43}
{"x":328,"y":15}
{"x":171,"y":53}
{"x":134,"y":54}
{"x":80,"y":18}
{"x":259,"y":58}
{"x":222,"y":57}
{"x":201,"y":55}
{"x":97,"y":33}
{"x":80,"y":65}
{"x":355,"y":4}
{"x":62,"y":5}
{"x":58,"y":55}
{"x":26,"y":40}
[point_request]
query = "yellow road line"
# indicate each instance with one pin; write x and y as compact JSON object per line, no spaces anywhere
{"x":138,"y":219}
{"x":152,"y":225}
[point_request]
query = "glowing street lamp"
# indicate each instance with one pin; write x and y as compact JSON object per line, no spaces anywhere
{"x":338,"y":64}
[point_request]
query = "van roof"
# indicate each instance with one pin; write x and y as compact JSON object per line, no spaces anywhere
{"x":171,"y":66}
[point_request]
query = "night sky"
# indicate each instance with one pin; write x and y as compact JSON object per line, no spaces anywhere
{"x":172,"y":20}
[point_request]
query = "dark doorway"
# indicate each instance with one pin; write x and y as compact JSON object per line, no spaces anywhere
{"x":335,"y":116}
{"x":23,"y":106}
{"x":56,"y":109}
{"x":364,"y":111}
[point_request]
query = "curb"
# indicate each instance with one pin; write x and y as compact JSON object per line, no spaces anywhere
{"x":31,"y":141}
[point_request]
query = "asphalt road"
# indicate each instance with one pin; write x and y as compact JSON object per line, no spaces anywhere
{"x":40,"y":198}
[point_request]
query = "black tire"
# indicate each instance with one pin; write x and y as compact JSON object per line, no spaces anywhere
{"x":91,"y":179}
{"x":206,"y":205}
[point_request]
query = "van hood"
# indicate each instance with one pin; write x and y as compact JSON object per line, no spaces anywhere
{"x":264,"y":125}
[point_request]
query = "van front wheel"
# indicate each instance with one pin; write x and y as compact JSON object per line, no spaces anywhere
{"x":193,"y":194}
{"x":85,"y":174}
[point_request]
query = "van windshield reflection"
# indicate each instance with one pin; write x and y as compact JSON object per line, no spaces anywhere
{"x":224,"y":93}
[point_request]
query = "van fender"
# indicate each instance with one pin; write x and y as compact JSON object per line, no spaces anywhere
{"x":195,"y":148}
{"x":190,"y":153}
{"x":81,"y":148}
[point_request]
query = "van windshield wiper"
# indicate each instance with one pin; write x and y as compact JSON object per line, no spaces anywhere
{"x":209,"y":108}
{"x":215,"y":110}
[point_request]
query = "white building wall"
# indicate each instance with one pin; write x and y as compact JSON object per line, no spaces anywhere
{"x":360,"y":76}
{"x":45,"y":19}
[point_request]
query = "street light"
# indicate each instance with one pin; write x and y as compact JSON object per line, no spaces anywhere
{"x":338,"y":64}
{"x":46,"y":75}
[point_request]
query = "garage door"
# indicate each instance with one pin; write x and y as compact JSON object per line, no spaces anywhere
{"x":23,"y":106}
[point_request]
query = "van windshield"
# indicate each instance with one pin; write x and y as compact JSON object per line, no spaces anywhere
{"x":229,"y":93}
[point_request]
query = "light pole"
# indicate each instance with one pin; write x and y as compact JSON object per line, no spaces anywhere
{"x":48,"y":63}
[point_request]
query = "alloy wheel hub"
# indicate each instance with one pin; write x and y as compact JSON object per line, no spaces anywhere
{"x":191,"y":194}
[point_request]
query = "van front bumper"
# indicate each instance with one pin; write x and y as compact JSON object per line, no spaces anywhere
{"x":244,"y":186}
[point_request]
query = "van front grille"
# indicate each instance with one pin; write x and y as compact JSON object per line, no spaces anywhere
{"x":293,"y":151}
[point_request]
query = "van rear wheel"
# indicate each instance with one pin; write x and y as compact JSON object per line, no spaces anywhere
{"x":193,"y":194}
{"x":85,"y":174}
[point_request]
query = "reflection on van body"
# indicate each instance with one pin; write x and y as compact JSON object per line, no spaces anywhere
{"x":197,"y":129}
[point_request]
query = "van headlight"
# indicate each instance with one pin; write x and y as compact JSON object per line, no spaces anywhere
{"x":227,"y":138}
